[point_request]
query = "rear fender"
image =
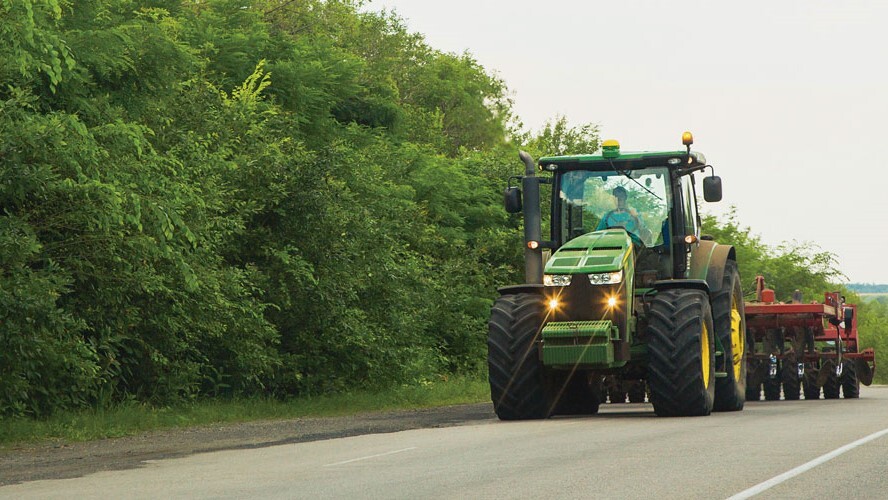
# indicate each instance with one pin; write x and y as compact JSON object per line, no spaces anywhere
{"x":708,"y":263}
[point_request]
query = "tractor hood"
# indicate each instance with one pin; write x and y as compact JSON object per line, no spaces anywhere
{"x":596,"y":252}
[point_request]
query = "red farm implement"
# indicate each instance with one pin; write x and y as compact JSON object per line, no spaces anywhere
{"x":803,"y":347}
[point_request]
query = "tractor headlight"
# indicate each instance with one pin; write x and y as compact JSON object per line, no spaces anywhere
{"x":606,"y":278}
{"x":556,"y":279}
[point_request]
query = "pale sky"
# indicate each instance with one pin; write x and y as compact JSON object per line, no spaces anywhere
{"x":788,"y":100}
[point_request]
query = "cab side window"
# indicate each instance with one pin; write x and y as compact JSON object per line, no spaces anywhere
{"x":689,"y":201}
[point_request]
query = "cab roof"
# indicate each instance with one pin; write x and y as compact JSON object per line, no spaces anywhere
{"x":627,"y":160}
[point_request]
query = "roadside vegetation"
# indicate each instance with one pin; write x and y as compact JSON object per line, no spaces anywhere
{"x":128,"y":418}
{"x":215,"y":202}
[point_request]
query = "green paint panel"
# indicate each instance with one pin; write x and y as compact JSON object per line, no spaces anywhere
{"x":601,"y":329}
{"x":572,"y":355}
{"x":579,"y":342}
{"x":596,"y":252}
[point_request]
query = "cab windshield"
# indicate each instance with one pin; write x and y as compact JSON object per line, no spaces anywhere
{"x":636,"y":201}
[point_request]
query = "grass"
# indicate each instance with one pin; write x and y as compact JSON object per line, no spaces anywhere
{"x":135,"y":418}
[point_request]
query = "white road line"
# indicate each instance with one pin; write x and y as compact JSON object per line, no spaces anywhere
{"x":371,"y":456}
{"x":770,"y":483}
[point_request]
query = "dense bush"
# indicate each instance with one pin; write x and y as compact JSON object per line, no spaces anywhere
{"x":208,"y":198}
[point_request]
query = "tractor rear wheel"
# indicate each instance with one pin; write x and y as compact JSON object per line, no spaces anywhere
{"x":729,"y":320}
{"x":850,"y":381}
{"x":517,"y":379}
{"x":791,"y":382}
{"x":681,"y":371}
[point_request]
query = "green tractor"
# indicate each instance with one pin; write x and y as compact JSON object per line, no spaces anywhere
{"x":626,"y":289}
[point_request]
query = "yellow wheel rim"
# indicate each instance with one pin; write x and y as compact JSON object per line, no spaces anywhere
{"x":738,"y":342}
{"x":704,"y":354}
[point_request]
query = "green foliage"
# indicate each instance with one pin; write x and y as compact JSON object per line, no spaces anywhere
{"x":872,"y":323}
{"x":239,"y":198}
{"x":786,"y":268}
{"x":558,"y":138}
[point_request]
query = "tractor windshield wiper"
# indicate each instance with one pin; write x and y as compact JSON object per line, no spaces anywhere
{"x":625,"y":174}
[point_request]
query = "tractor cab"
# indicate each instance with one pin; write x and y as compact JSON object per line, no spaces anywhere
{"x":650,"y":196}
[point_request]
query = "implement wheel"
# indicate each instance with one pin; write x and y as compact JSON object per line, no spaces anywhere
{"x":791,"y":382}
{"x":637,"y":391}
{"x":831,"y":386}
{"x":850,"y":381}
{"x":753,"y":392}
{"x":772,"y":389}
{"x":517,"y":380}
{"x":575,"y":395}
{"x":615,"y":391}
{"x":809,"y":384}
{"x":681,"y":372}
{"x":729,"y":320}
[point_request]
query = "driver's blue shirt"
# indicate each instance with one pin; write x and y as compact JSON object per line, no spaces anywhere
{"x":619,"y":218}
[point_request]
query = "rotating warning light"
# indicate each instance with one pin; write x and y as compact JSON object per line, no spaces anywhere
{"x":687,"y":138}
{"x":610,"y":148}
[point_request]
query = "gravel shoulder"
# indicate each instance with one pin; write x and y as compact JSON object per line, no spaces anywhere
{"x":60,"y":461}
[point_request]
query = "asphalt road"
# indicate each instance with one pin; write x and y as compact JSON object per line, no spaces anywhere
{"x":806,"y":449}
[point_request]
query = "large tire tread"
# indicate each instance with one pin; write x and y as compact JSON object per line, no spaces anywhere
{"x":517,"y":380}
{"x":832,"y":385}
{"x":850,"y":381}
{"x":791,"y":382}
{"x":675,"y":376}
{"x":809,"y":384}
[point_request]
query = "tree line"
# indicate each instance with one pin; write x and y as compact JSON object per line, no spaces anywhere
{"x":207,"y":198}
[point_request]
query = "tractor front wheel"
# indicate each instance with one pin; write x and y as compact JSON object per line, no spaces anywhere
{"x":681,"y":372}
{"x":517,"y":379}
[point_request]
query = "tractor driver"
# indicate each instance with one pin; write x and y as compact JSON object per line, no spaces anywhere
{"x":622,"y":216}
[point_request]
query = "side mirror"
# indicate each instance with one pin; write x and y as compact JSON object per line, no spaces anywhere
{"x":512,"y":200}
{"x":712,"y":188}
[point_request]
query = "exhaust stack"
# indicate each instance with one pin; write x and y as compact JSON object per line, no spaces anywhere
{"x":533,"y":257}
